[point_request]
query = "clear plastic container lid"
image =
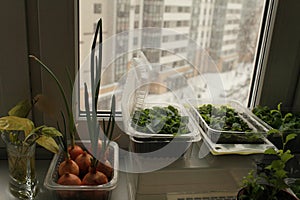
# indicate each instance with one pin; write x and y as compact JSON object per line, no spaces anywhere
{"x":135,"y":91}
{"x":136,"y":86}
{"x":229,"y":148}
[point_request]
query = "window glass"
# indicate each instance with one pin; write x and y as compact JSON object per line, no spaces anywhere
{"x":226,"y":32}
{"x":97,"y":8}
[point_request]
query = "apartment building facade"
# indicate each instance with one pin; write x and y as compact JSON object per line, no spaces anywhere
{"x":213,"y":25}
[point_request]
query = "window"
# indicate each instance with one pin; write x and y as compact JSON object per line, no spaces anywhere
{"x":94,"y":27}
{"x":164,"y":53}
{"x":168,"y":9}
{"x":187,"y":9}
{"x":219,"y":29}
{"x":230,"y":42}
{"x":97,"y":8}
{"x":166,"y":24}
{"x":136,"y":24}
{"x":276,"y":83}
{"x":137,"y":9}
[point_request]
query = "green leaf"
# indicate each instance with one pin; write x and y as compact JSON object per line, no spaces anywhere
{"x":279,"y":106}
{"x":22,"y":109}
{"x":11,"y":123}
{"x":51,"y":132}
{"x":270,"y":151}
{"x":70,"y":79}
{"x":48,"y":143}
{"x":275,"y":112}
{"x":286,"y":156}
{"x":287,"y":115}
{"x":290,"y":137}
{"x":281,"y":173}
{"x":276,"y":165}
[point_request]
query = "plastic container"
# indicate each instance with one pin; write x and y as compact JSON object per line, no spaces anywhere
{"x":255,"y":136}
{"x":146,"y":142}
{"x":82,"y":192}
{"x":135,"y":92}
{"x":191,"y":136}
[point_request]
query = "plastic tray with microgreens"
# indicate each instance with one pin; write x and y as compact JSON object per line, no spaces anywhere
{"x":227,"y":125}
{"x":160,"y":120}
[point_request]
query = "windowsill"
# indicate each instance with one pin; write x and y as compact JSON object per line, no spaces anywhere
{"x":212,"y":175}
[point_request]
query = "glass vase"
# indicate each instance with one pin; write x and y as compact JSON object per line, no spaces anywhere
{"x":21,"y":166}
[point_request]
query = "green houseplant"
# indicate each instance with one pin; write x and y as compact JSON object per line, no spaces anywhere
{"x":20,"y":135}
{"x":280,"y":124}
{"x":269,"y":183}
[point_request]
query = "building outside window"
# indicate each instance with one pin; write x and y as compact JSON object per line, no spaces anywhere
{"x":97,"y":8}
{"x":227,"y":30}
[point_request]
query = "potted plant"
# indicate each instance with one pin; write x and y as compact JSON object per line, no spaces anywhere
{"x":269,"y":183}
{"x":20,"y":135}
{"x":91,"y":173}
{"x":280,"y":125}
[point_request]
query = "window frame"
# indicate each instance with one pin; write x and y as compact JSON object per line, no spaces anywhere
{"x":263,"y":48}
{"x":260,"y":60}
{"x":282,"y":61}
